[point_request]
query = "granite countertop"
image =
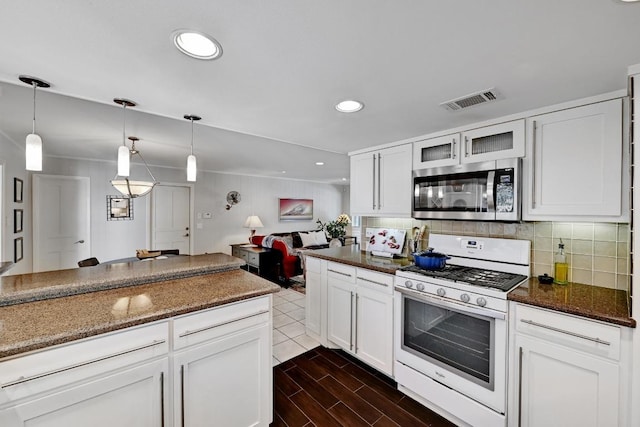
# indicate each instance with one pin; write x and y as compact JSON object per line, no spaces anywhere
{"x":593,"y":302}
{"x":40,"y":324}
{"x":352,"y":255}
{"x":54,"y":284}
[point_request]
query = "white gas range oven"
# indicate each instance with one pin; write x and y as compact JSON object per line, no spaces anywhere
{"x":451,"y":327}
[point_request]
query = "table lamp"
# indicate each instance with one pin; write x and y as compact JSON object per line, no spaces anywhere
{"x":252,"y":223}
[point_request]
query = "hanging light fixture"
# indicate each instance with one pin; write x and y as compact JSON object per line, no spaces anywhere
{"x":131,"y":188}
{"x":33,"y":149}
{"x":191,"y":159}
{"x":123,"y":151}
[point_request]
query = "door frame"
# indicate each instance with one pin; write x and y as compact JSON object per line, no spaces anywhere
{"x":35,"y":194}
{"x":151,"y":211}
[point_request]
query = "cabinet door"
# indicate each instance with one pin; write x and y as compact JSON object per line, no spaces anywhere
{"x":374,"y":329}
{"x":132,"y":397}
{"x":563,"y":387}
{"x":340,"y":319}
{"x":313,"y":306}
{"x":395,"y":181}
{"x":437,"y":152}
{"x":363,"y":181}
{"x":501,"y":141}
{"x":574,"y":163}
{"x":226,"y":382}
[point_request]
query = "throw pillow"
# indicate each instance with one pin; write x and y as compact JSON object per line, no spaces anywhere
{"x":321,"y":238}
{"x":308,"y":239}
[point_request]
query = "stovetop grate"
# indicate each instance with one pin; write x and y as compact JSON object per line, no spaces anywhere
{"x":472,"y":276}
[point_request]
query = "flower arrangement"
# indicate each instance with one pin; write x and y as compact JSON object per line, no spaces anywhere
{"x":337,"y":228}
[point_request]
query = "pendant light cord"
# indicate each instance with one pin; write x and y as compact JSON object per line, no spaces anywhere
{"x":35,"y":85}
{"x":192,"y":136}
{"x":124,"y":123}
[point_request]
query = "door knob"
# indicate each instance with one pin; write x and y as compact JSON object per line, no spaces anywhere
{"x":79,"y":241}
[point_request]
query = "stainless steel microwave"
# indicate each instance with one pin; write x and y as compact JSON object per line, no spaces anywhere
{"x":487,"y":191}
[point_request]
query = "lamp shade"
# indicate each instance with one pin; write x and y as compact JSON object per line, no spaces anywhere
{"x":191,"y":168}
{"x":133,"y":189}
{"x":33,"y":152}
{"x":123,"y":160}
{"x":253,"y":222}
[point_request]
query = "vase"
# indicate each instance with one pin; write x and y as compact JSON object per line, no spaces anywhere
{"x":335,"y":243}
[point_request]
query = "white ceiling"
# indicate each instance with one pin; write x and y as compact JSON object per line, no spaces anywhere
{"x":268,"y":103}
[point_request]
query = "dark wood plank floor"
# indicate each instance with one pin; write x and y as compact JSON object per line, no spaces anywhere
{"x":325,"y":387}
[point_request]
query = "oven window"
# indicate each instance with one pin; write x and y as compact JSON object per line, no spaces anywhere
{"x":456,"y":341}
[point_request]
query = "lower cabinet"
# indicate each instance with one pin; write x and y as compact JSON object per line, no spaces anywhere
{"x":211,"y":367}
{"x":566,"y":371}
{"x":315,"y":300}
{"x":360,"y":314}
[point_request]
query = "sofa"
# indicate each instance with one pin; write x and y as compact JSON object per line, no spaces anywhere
{"x":288,"y":246}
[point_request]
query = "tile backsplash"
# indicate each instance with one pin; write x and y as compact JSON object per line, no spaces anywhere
{"x":597,"y":253}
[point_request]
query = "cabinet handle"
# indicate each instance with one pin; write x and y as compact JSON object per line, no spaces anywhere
{"x":453,"y":148}
{"x":379,"y":181}
{"x":520,"y":355}
{"x":373,"y":281}
{"x":356,"y":322}
{"x":373,"y":183}
{"x":161,"y":399}
{"x":339,"y":272}
{"x":533,"y":167}
{"x":466,"y":146}
{"x":79,"y":365}
{"x":563,"y":331}
{"x":182,"y":395}
{"x":206,"y":328}
{"x":352,"y":322}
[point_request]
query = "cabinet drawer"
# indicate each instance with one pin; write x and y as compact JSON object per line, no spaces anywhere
{"x":253,"y":259}
{"x":581,"y":334}
{"x":376,"y":281}
{"x":196,"y":328}
{"x":236,"y":252}
{"x":55,"y":367}
{"x":343,"y":272}
{"x":313,"y":264}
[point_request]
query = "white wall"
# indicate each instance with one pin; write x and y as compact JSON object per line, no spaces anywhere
{"x":119,"y":239}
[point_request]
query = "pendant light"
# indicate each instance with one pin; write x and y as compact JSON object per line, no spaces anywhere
{"x":33,"y":148}
{"x":123,"y":151}
{"x":191,"y":159}
{"x":133,"y":189}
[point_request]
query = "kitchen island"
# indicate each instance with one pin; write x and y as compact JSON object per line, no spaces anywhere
{"x":176,"y":350}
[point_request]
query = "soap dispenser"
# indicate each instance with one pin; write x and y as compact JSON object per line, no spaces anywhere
{"x":560,"y":266}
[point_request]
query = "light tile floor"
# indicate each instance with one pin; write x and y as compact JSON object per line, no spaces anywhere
{"x":289,"y":338}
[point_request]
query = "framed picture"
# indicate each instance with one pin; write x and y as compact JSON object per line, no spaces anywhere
{"x":295,"y":209}
{"x":119,"y":208}
{"x":17,"y":220}
{"x":17,"y":249}
{"x":17,"y":190}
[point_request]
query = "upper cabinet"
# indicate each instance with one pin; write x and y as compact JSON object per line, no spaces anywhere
{"x":501,"y":141}
{"x":575,"y":169}
{"x":381,"y":182}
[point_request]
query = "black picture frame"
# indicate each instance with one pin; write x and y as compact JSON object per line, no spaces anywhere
{"x":18,"y":220}
{"x":18,"y":190}
{"x":18,"y":249}
{"x":119,"y":208}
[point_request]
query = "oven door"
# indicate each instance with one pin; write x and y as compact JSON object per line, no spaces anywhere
{"x":462,"y":347}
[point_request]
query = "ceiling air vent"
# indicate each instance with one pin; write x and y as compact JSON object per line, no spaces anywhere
{"x":472,"y":99}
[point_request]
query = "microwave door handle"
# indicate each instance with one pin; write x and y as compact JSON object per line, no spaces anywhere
{"x":491,"y":205}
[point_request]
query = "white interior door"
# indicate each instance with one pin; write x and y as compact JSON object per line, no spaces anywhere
{"x":171,"y":207}
{"x":61,"y":222}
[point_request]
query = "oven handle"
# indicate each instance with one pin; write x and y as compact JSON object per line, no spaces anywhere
{"x":428,"y":299}
{"x":491,"y":205}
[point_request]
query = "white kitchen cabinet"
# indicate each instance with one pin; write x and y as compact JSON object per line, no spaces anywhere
{"x":315,"y":299}
{"x":575,"y":168}
{"x":496,"y":142}
{"x":381,"y":182}
{"x":565,"y":371}
{"x":360,"y":314}
{"x":222,"y":372}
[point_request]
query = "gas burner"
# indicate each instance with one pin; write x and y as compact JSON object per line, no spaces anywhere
{"x":471,"y":276}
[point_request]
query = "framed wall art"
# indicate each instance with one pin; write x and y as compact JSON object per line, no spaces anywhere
{"x":295,"y":209}
{"x":17,"y":220}
{"x":119,"y":208}
{"x":17,"y":190}
{"x":18,"y":250}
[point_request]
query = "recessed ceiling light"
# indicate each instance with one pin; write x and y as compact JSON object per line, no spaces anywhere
{"x":629,"y":1}
{"x":344,"y":179}
{"x":349,"y":106}
{"x":197,"y":45}
{"x":284,"y":171}
{"x":319,"y":163}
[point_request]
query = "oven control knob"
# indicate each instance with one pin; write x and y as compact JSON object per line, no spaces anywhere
{"x":481,"y":301}
{"x":420,"y":286}
{"x":464,"y":298}
{"x":408,"y":284}
{"x":441,"y":292}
